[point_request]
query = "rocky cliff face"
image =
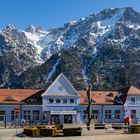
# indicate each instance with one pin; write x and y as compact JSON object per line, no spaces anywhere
{"x":102,"y":49}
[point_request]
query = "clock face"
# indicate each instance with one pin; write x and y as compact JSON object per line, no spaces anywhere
{"x":61,"y":88}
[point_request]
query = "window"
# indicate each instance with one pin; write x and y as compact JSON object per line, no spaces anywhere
{"x":58,"y":101}
{"x":117,"y":114}
{"x":27,"y":115}
{"x":2,"y":112}
{"x":71,"y":101}
{"x":51,"y":100}
{"x":85,"y":112}
{"x":2,"y":115}
{"x":95,"y":114}
{"x":12,"y":115}
{"x":36,"y":114}
{"x":133,"y":114}
{"x":65,"y":101}
{"x":107,"y":114}
{"x":133,"y":100}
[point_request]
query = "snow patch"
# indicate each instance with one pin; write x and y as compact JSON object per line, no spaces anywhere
{"x":52,"y":71}
{"x":34,"y":38}
{"x":133,"y":26}
{"x":72,"y":22}
{"x":85,"y":76}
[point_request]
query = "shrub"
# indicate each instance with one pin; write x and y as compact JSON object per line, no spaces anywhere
{"x":72,"y":131}
{"x":135,"y":129}
{"x":31,"y":131}
{"x":99,"y":126}
{"x":47,"y":131}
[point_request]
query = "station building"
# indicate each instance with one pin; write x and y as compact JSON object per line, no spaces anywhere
{"x":61,"y":103}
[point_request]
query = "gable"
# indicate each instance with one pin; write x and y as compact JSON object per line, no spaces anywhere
{"x":130,"y":90}
{"x":61,"y":86}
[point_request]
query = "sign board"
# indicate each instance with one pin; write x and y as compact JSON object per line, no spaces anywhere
{"x":16,"y":110}
{"x":63,"y":112}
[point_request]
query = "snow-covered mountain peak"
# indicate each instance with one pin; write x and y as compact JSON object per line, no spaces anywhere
{"x":69,"y":23}
{"x":9,"y":28}
{"x":96,"y":27}
{"x":30,"y":28}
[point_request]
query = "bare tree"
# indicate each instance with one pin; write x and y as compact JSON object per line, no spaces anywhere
{"x":89,"y":100}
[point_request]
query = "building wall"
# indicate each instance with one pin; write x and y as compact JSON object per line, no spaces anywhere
{"x":20,"y":116}
{"x":130,"y":105}
{"x":101,"y":113}
{"x":48,"y":107}
{"x":77,"y":118}
{"x":46,"y":103}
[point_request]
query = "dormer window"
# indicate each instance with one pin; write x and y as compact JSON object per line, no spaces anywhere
{"x":58,"y":101}
{"x":51,"y":100}
{"x":133,"y":100}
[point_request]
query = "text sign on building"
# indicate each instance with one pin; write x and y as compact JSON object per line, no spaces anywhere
{"x":63,"y":112}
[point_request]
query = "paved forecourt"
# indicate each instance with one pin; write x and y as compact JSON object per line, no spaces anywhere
{"x":9,"y":134}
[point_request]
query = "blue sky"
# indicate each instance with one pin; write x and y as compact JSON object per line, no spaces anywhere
{"x":54,"y":13}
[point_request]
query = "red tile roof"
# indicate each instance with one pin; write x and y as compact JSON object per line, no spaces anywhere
{"x":98,"y":97}
{"x":15,"y":95}
{"x":9,"y":96}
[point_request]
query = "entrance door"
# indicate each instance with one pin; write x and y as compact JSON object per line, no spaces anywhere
{"x":67,"y":118}
{"x":55,"y":119}
{"x":2,"y":119}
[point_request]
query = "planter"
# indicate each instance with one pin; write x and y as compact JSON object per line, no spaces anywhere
{"x":135,"y":129}
{"x":31,"y":131}
{"x":72,"y":131}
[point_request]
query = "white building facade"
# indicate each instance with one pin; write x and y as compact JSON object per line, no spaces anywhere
{"x":61,"y":102}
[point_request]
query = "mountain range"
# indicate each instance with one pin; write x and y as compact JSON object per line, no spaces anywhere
{"x":102,"y":49}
